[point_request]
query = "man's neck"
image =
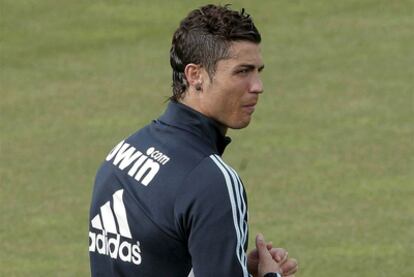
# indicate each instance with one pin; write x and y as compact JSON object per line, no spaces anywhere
{"x":197,"y":107}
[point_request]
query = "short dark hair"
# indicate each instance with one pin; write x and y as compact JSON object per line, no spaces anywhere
{"x":204,"y":38}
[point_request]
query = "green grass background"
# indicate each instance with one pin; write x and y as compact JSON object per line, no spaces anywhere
{"x":327,"y":162}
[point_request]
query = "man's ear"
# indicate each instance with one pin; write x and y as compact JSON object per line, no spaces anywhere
{"x":194,"y":76}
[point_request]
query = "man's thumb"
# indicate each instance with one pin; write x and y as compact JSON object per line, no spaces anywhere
{"x":261,"y":246}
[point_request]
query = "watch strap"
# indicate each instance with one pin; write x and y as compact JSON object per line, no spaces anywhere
{"x":273,"y":274}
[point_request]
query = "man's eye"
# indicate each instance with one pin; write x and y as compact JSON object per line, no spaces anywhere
{"x":243,"y":71}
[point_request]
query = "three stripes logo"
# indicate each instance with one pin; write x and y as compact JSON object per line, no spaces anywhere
{"x":239,"y":208}
{"x":113,"y":237}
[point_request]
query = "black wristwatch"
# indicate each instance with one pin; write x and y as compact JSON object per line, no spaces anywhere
{"x":274,"y":274}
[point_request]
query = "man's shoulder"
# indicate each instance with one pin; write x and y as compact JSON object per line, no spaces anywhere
{"x":211,"y":186}
{"x":212,"y":173}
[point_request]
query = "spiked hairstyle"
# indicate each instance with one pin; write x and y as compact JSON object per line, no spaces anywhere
{"x":204,"y":37}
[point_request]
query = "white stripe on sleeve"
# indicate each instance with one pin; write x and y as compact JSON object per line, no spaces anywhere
{"x":236,"y":205}
{"x":244,"y":206}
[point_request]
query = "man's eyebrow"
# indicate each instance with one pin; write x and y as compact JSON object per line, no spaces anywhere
{"x":251,"y":66}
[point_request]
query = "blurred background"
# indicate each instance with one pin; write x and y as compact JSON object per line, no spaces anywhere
{"x":327,"y":161}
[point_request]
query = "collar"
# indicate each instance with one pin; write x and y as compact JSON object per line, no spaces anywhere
{"x":190,"y":120}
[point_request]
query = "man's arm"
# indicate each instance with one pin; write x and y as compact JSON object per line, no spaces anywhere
{"x":211,"y":211}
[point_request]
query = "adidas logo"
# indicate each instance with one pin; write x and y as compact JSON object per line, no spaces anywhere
{"x":114,"y":238}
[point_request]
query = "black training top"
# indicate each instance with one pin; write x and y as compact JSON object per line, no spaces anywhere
{"x":164,"y":203}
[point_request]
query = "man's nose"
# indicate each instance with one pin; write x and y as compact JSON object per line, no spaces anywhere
{"x":256,"y":85}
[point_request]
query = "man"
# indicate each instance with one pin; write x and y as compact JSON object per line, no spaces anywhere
{"x":164,"y":202}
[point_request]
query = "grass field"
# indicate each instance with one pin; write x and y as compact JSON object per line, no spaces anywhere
{"x":328,"y":161}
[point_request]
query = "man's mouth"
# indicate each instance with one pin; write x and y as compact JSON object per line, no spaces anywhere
{"x":250,"y":107}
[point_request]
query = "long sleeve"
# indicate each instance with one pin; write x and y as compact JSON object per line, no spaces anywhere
{"x":211,"y":212}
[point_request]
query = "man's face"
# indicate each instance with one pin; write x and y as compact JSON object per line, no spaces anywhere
{"x":232,"y":94}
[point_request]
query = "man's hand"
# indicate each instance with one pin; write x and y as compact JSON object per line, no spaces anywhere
{"x":266,"y":262}
{"x":288,"y":267}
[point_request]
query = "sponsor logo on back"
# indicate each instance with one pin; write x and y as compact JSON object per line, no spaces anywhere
{"x":142,"y":167}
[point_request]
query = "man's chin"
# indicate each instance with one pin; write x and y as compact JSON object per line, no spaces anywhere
{"x":240,"y":125}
